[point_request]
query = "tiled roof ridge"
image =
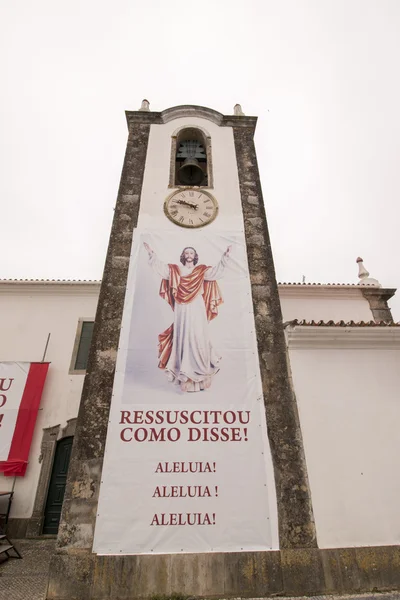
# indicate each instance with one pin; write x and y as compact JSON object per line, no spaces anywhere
{"x":37,"y":280}
{"x":331,"y":323}
{"x":318,"y":283}
{"x":50,"y":280}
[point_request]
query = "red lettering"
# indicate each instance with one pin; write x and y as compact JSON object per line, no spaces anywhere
{"x":175,"y":417}
{"x":184,"y":417}
{"x":159,"y":417}
{"x":3,"y":400}
{"x":140,"y":434}
{"x":173,"y":434}
{"x":2,"y":386}
{"x":236,"y":434}
{"x":215,"y":414}
{"x":125,"y":417}
{"x":122,"y":434}
{"x":157,"y":436}
{"x":185,"y":467}
{"x":155,"y":520}
{"x":232,"y":417}
{"x":192,"y":417}
{"x":225,"y":434}
{"x":149,"y":418}
{"x":194,"y":434}
{"x":217,"y":434}
{"x":138,"y":417}
{"x":214,"y":434}
{"x":183,"y":519}
{"x":240,"y":413}
{"x":143,"y":434}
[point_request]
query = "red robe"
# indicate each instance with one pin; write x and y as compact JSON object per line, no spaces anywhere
{"x":183,"y":290}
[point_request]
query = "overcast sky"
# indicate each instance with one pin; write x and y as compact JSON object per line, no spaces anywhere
{"x":321,"y":75}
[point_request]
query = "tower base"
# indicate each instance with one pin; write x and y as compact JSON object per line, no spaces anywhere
{"x":80,"y":575}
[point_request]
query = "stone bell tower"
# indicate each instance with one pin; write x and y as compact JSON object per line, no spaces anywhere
{"x":190,"y":180}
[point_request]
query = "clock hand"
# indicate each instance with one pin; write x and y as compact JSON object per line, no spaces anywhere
{"x":195,"y":206}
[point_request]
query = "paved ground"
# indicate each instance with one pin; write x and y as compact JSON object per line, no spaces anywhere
{"x":26,"y":579}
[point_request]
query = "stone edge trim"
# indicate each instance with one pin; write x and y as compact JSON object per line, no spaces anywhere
{"x":84,"y":477}
{"x":295,"y":513}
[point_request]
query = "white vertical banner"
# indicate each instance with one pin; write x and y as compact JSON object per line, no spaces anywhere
{"x":187,"y":466}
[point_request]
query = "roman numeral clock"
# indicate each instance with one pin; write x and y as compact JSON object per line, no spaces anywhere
{"x":191,"y":208}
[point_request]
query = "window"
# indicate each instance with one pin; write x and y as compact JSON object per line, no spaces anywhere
{"x":80,"y":353}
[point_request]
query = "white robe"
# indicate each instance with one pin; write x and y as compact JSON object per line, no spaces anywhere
{"x":193,"y":359}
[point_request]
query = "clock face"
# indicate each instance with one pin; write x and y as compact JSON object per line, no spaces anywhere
{"x":191,"y":208}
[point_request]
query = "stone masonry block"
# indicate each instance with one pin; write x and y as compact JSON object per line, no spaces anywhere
{"x":302,"y":572}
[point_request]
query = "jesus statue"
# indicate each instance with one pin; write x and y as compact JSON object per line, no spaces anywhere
{"x":191,"y":290}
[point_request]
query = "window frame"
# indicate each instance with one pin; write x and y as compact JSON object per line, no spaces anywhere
{"x":81,"y":321}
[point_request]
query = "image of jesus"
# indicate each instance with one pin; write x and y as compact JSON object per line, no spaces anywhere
{"x":185,"y":351}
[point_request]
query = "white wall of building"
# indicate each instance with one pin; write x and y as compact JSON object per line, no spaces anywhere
{"x":348,"y":394}
{"x":324,"y":303}
{"x":28,"y":313}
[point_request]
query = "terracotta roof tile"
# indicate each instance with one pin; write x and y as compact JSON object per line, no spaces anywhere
{"x":304,"y":323}
{"x":50,"y":281}
{"x":310,"y":284}
{"x":298,"y":283}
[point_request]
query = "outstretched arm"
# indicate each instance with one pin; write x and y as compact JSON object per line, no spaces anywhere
{"x":218,"y":271}
{"x":149,"y":250}
{"x":157,"y":265}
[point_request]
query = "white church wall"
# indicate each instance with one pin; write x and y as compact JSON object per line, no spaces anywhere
{"x":28,"y":313}
{"x":156,"y":179}
{"x":323,"y":303}
{"x":349,"y":406}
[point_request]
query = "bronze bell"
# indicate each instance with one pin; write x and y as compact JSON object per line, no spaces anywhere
{"x":190,"y":172}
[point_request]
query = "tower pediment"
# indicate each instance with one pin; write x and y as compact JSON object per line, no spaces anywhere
{"x":189,"y":110}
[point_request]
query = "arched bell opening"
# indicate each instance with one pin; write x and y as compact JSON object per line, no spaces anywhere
{"x":191,"y":159}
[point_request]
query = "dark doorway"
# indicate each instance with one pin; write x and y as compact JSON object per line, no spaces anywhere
{"x":58,"y":481}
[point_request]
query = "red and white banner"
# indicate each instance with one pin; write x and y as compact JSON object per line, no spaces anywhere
{"x":187,"y":466}
{"x":21,"y":386}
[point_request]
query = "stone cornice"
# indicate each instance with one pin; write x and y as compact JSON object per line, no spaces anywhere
{"x":240,"y":121}
{"x":189,"y":110}
{"x":386,"y":337}
{"x":142,"y":116}
{"x":318,"y":291}
{"x":374,"y":292}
